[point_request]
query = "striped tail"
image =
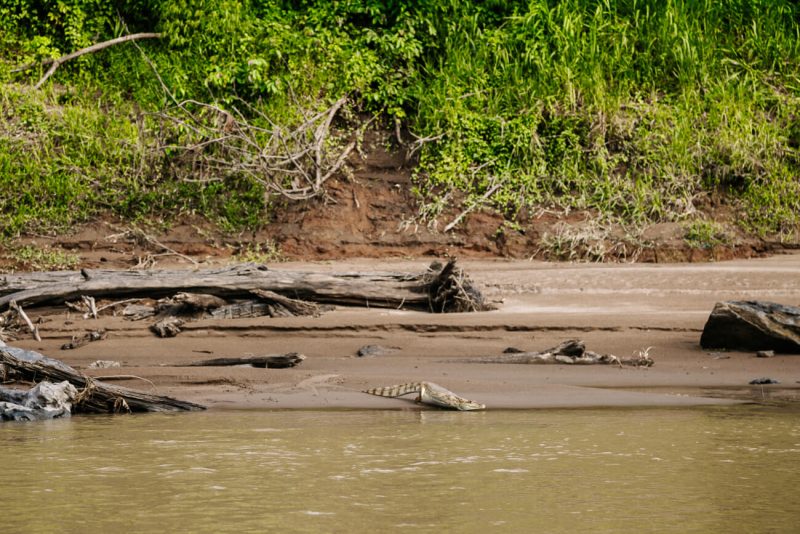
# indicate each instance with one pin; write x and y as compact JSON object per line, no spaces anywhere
{"x":396,"y":391}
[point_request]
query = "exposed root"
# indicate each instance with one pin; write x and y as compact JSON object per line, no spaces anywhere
{"x":451,"y":291}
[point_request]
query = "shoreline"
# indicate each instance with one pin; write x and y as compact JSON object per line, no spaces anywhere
{"x":618,"y":309}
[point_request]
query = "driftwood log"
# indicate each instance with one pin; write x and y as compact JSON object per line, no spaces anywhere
{"x":571,"y":352}
{"x":93,"y":395}
{"x":437,"y":289}
{"x":753,"y":325}
{"x":275,"y":361}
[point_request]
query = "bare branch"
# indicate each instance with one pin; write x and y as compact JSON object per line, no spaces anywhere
{"x":55,"y":63}
{"x":489,"y":192}
{"x":293,"y":162}
{"x":24,"y":316}
{"x":418,"y":143}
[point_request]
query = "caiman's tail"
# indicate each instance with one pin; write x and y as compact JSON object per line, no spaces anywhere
{"x":396,"y":391}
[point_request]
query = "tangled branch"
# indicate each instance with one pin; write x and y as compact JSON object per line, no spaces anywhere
{"x":211,"y":143}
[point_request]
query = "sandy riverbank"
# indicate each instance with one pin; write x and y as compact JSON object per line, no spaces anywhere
{"x":618,"y":309}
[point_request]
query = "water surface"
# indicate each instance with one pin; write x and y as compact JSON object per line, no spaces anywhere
{"x":655,"y":470}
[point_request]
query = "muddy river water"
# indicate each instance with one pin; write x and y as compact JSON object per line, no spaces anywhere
{"x":719,"y":469}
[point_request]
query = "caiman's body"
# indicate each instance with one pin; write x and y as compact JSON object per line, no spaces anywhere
{"x":429,"y":393}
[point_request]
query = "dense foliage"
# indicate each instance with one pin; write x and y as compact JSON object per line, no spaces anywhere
{"x":635,"y":109}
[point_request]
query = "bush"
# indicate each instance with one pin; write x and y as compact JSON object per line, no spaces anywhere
{"x":630,"y":108}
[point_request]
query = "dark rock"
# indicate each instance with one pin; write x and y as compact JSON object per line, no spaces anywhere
{"x":762,"y":381}
{"x":370,"y":351}
{"x":512,"y":350}
{"x":45,"y":400}
{"x":753,"y":325}
{"x":167,"y":327}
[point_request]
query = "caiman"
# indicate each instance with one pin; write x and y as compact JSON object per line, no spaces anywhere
{"x":429,"y":393}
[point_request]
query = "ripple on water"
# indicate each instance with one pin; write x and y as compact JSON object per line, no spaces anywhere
{"x":329,"y":471}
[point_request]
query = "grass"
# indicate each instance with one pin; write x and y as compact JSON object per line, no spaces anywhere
{"x":35,"y":258}
{"x":64,"y":160}
{"x":630,"y":110}
{"x":259,"y":253}
{"x":593,"y":240}
{"x":706,"y":234}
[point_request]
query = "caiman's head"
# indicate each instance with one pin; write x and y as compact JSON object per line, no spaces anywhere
{"x":468,"y":405}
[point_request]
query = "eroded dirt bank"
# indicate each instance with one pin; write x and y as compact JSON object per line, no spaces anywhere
{"x":372,"y":212}
{"x":619,"y":309}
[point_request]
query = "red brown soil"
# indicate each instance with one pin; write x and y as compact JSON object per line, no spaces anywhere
{"x":373,"y":213}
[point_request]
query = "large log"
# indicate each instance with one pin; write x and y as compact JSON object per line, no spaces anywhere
{"x":93,"y":396}
{"x":438,"y":289}
{"x":753,"y":325}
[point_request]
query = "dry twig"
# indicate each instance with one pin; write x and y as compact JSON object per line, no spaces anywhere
{"x":138,"y":236}
{"x":24,"y":316}
{"x":214,"y":143}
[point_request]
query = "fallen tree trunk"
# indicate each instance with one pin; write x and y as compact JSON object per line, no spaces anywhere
{"x":571,"y":352}
{"x":276,"y":361}
{"x":438,"y":289}
{"x":753,"y":325}
{"x":93,"y":395}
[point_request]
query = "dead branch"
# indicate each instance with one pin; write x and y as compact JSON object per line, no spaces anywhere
{"x":281,"y":306}
{"x":471,"y":207}
{"x":91,"y":305}
{"x":418,"y":143}
{"x":55,"y":63}
{"x":140,"y":237}
{"x":24,"y":316}
{"x":77,"y":342}
{"x":570,"y":352}
{"x":117,"y":303}
{"x":127,"y":377}
{"x":93,"y":395}
{"x":276,"y":361}
{"x":213,"y":143}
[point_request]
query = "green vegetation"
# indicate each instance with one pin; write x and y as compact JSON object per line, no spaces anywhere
{"x":636,"y":110}
{"x":701,"y":233}
{"x":36,"y":258}
{"x":261,"y":253}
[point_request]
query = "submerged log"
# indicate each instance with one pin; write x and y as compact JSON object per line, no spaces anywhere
{"x":753,"y":325}
{"x":93,"y":395}
{"x":275,"y":361}
{"x":438,"y":289}
{"x":571,"y":352}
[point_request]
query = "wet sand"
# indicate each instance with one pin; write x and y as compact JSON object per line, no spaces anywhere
{"x":618,"y":309}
